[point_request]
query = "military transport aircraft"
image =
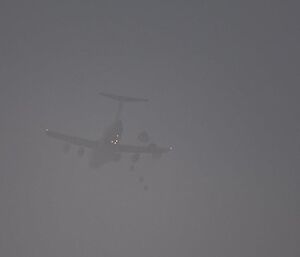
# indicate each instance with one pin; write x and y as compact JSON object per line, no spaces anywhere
{"x":109,"y":147}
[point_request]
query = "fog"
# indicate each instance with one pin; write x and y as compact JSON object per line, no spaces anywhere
{"x":222,"y":79}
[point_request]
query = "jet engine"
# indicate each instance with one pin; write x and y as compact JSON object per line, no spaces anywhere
{"x":143,"y":137}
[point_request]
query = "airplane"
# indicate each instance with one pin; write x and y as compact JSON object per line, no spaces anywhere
{"x":109,"y":147}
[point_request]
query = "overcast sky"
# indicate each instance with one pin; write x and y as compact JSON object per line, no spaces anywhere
{"x":223,"y":82}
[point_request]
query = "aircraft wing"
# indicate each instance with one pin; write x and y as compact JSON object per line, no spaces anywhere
{"x":150,"y":149}
{"x":71,"y":139}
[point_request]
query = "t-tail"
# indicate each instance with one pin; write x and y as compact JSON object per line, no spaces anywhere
{"x":121,"y":100}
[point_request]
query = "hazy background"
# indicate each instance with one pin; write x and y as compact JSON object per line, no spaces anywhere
{"x":223,"y":80}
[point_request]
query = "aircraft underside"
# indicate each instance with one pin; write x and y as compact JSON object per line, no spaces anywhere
{"x":109,"y":148}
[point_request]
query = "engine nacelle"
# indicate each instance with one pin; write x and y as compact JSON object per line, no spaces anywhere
{"x":143,"y":137}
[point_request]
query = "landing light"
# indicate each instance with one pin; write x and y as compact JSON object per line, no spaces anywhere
{"x":171,"y":148}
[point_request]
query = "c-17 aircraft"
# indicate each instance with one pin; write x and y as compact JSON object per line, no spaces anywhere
{"x":109,"y":147}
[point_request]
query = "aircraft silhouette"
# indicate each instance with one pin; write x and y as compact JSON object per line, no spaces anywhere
{"x":109,"y":147}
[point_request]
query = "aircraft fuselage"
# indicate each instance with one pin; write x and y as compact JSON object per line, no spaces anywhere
{"x":105,"y":152}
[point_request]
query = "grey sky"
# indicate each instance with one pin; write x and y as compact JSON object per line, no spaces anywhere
{"x":223,"y":82}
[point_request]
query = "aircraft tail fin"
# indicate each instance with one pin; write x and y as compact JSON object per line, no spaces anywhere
{"x":123,"y":99}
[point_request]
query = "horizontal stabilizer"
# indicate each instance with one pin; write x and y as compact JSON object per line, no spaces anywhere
{"x":123,"y":98}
